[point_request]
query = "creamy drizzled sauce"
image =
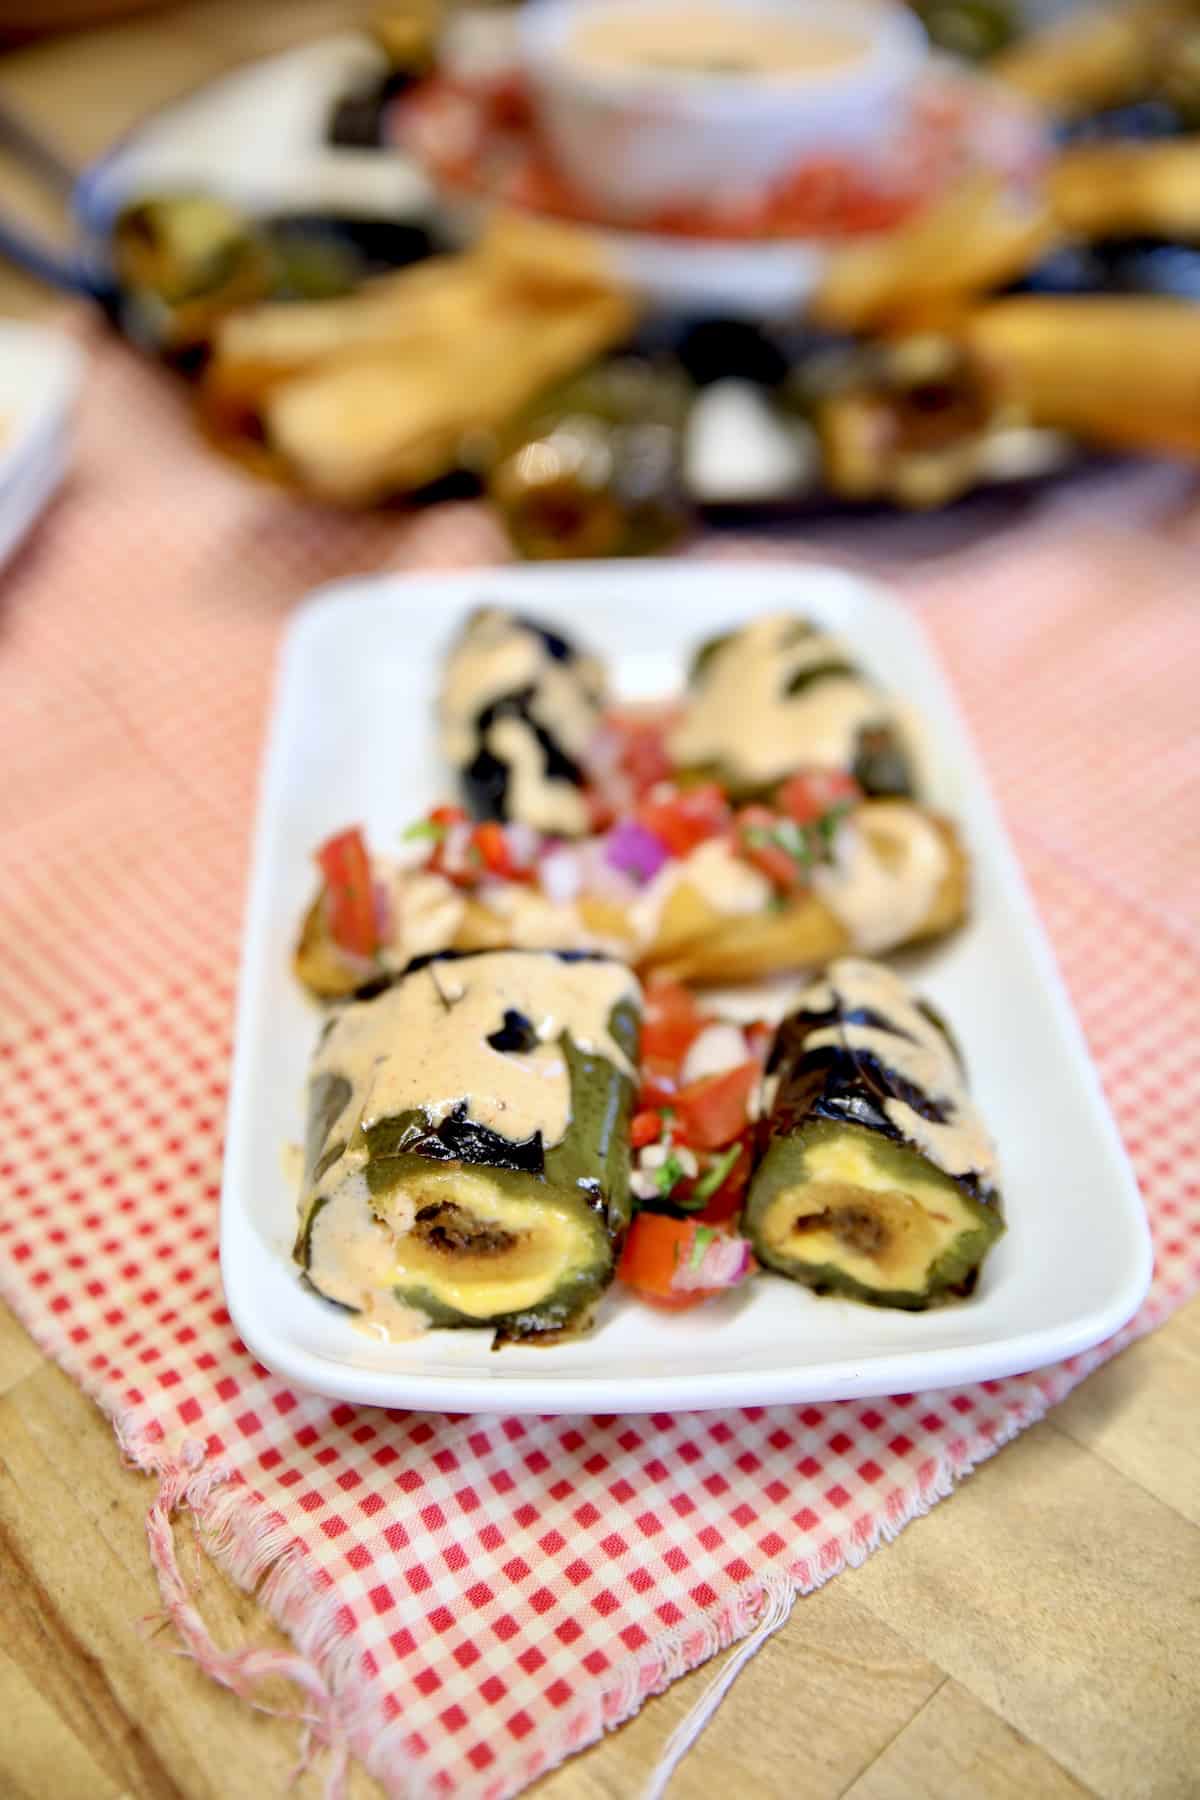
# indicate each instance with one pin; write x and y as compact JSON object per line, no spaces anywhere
{"x":536,"y":923}
{"x":722,"y":878}
{"x":550,"y":806}
{"x":740,"y":715}
{"x":426,"y":910}
{"x":498,"y":655}
{"x":353,"y":1260}
{"x":915,"y":1050}
{"x":422,"y":1045}
{"x":712,"y":39}
{"x":494,"y":656}
{"x":888,"y":863}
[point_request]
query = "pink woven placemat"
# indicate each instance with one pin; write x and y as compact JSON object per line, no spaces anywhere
{"x":471,"y":1599}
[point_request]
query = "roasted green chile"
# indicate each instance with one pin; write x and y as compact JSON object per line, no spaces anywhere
{"x":518,"y":709}
{"x":461,"y":1220}
{"x":877,"y":1179}
{"x":778,"y":696}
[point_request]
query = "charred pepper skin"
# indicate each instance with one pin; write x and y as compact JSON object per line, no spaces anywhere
{"x":881,"y":761}
{"x":841,"y":1200}
{"x":492,"y":1205}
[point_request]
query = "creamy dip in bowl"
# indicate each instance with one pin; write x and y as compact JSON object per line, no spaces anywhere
{"x":654,"y":103}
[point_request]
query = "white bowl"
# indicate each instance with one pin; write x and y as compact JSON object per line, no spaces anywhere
{"x":635,"y":139}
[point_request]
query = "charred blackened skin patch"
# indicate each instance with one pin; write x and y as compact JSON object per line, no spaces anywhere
{"x":449,"y":956}
{"x":855,"y":1226}
{"x":881,"y":767}
{"x":485,"y":779}
{"x":459,"y":1138}
{"x":555,"y":645}
{"x":803,"y":679}
{"x":447,"y":1227}
{"x":516,"y":1036}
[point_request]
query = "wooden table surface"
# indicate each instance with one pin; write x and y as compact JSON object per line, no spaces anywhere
{"x":1037,"y":1635}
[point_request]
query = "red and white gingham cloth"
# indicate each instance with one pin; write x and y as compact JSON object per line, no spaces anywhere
{"x":473,"y":1598}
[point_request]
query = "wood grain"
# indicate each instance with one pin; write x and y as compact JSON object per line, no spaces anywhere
{"x":1037,"y":1635}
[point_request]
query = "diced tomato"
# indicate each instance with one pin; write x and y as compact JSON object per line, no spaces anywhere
{"x":509,"y":103}
{"x":495,"y":853}
{"x":655,"y":1247}
{"x":773,"y":861}
{"x":755,"y":818}
{"x":643,"y":755}
{"x":447,"y":815}
{"x":670,"y":1022}
{"x":493,"y":847}
{"x":715,"y":1110}
{"x":759,"y":1038}
{"x":757,"y":845}
{"x":808,"y":796}
{"x":645,"y":1127}
{"x":685,"y":817}
{"x":657,"y":1090}
{"x":349,"y":892}
{"x":600,"y":811}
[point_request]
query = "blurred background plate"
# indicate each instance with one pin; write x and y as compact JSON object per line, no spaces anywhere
{"x":259,"y":138}
{"x":688,"y":276}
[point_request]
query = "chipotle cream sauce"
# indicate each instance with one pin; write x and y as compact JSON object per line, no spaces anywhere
{"x":550,"y":806}
{"x":722,"y":878}
{"x":717,"y":40}
{"x":422,"y":1045}
{"x":497,"y":654}
{"x":913,"y":1048}
{"x":740,"y":715}
{"x":888,"y":862}
{"x":426,"y":912}
{"x":353,"y":1261}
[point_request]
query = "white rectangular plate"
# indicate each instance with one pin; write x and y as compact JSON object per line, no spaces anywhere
{"x":352,"y":740}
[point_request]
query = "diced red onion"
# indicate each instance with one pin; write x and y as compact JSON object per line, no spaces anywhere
{"x":598,"y":876}
{"x":725,"y":1263}
{"x":635,"y":851}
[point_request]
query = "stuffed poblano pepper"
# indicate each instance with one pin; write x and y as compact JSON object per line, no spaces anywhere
{"x":777,"y":696}
{"x":468,"y":1155}
{"x":877,"y":1177}
{"x":518,"y":709}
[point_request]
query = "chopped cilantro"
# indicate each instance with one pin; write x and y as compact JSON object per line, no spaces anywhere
{"x":713,"y":1176}
{"x":424,"y":828}
{"x":795,"y":840}
{"x":829,"y":821}
{"x":668,"y":1174}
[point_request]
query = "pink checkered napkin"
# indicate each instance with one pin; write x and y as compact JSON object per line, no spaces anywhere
{"x":474,"y":1598}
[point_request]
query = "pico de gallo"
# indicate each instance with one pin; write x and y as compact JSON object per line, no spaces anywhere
{"x":648,"y":824}
{"x":692,"y":1140}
